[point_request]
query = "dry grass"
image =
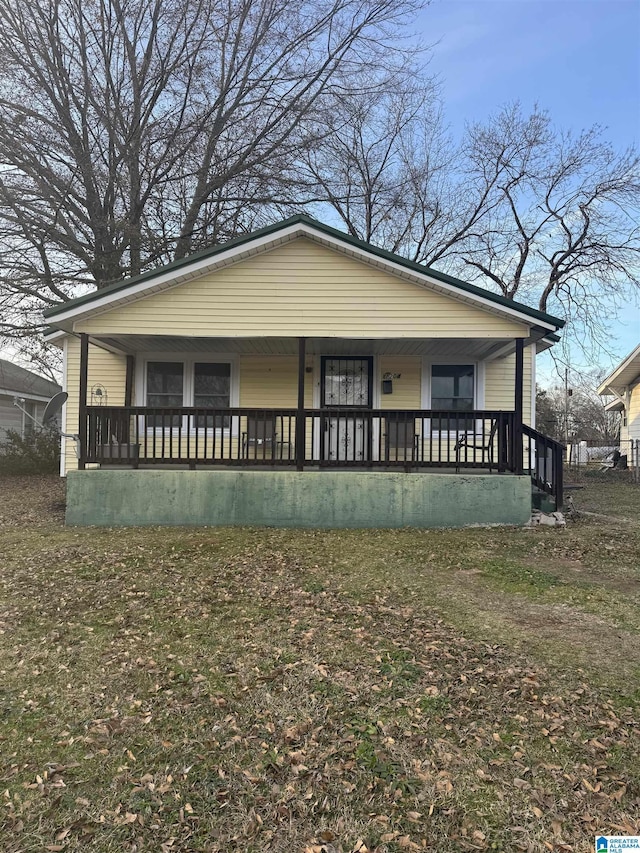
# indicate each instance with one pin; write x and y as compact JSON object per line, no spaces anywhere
{"x":245,"y":689}
{"x":612,"y":492}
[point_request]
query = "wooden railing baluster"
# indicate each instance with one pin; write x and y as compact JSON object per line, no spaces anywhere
{"x":341,"y":437}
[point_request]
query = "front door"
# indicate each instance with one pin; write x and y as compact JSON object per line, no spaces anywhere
{"x":347,"y":389}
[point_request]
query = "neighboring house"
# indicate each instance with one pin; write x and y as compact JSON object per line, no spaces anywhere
{"x":624,"y":386}
{"x":33,"y":392}
{"x":243,"y":379}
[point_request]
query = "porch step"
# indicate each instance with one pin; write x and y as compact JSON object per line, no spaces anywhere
{"x":542,"y":501}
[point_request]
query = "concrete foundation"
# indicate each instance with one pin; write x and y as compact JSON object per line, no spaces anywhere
{"x":321,"y":499}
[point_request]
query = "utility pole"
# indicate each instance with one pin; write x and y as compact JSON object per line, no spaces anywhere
{"x":568,"y":393}
{"x":566,"y":405}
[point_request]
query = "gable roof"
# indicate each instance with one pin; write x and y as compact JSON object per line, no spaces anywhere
{"x":265,"y":238}
{"x":18,"y":380}
{"x":624,"y":374}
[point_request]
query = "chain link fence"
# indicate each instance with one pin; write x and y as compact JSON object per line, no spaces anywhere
{"x":622,"y":455}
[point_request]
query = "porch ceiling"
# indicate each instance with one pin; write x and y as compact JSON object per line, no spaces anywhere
{"x":476,"y":348}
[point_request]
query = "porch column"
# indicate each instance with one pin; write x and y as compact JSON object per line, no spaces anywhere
{"x":300,"y":419}
{"x":82,"y":407}
{"x":128,"y":383}
{"x":124,"y":423}
{"x":518,"y":403}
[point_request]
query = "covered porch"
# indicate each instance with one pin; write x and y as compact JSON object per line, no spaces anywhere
{"x":349,"y":407}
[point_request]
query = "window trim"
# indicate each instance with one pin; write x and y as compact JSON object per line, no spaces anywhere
{"x":189,"y":359}
{"x":478,"y":385}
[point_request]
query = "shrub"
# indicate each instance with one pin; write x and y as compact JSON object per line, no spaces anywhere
{"x":38,"y":452}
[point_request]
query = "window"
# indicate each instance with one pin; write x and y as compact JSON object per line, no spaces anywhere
{"x":212,"y":389}
{"x":165,"y":389}
{"x":174,"y":384}
{"x":165,"y":383}
{"x":453,"y":389}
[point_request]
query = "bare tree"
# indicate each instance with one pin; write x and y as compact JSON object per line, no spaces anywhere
{"x":548,"y":415}
{"x":580,"y":415}
{"x":537,"y":214}
{"x":135,"y":131}
{"x":565,"y":227}
{"x":385,"y":156}
{"x":391,"y":173}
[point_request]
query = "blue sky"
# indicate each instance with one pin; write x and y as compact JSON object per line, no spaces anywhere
{"x":578,"y":59}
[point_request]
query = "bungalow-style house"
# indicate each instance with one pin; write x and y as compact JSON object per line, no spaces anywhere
{"x":32,"y":393}
{"x":299,"y":376}
{"x":623,"y":384}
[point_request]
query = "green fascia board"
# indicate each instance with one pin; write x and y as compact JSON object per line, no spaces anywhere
{"x":464,"y":286}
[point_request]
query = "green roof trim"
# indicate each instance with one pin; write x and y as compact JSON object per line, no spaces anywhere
{"x":347,"y":239}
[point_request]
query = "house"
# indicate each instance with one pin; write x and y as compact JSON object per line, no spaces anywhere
{"x":299,"y":376}
{"x":623,"y":384}
{"x":31,"y":391}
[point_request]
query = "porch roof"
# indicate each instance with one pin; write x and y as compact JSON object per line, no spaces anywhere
{"x":474,"y":348}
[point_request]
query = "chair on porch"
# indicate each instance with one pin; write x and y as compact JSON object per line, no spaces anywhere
{"x":475,"y":441}
{"x":401,"y":441}
{"x":260,"y":434}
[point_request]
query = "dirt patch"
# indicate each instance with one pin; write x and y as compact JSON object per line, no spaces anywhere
{"x":598,"y":639}
{"x":573,"y":627}
{"x":572,"y":570}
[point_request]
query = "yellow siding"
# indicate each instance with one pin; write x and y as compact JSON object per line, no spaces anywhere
{"x":302,"y":288}
{"x":269,"y":381}
{"x":624,"y":433}
{"x":625,"y":421}
{"x":633,"y":416}
{"x":407,"y":394}
{"x":499,"y":388}
{"x":407,"y":390}
{"x":272,"y":381}
{"x":104,"y":368}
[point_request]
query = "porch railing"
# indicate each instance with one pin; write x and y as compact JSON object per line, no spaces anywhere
{"x":138,"y":435}
{"x":543,"y":458}
{"x":337,"y":438}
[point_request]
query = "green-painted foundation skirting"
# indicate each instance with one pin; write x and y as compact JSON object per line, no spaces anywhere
{"x":321,"y":499}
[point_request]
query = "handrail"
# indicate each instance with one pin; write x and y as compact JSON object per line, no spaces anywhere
{"x":545,"y":457}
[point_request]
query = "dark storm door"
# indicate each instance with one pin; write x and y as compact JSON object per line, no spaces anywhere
{"x":346,"y":384}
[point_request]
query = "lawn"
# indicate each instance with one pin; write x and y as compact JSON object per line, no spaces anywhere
{"x":221,"y":689}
